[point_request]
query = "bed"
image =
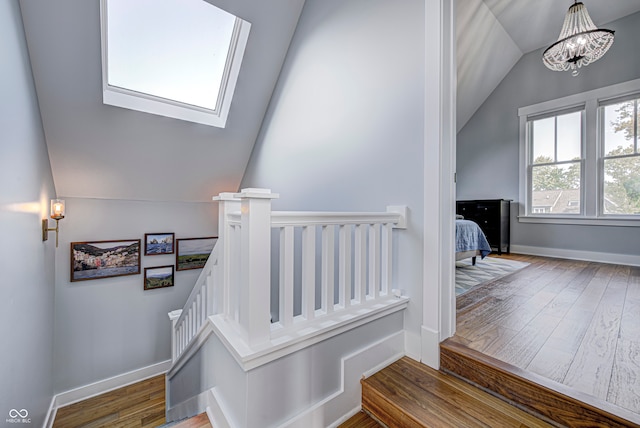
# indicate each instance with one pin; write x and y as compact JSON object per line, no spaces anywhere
{"x":470,"y":241}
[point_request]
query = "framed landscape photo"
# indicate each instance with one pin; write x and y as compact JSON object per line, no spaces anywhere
{"x":158,"y":277}
{"x":192,"y":253}
{"x":158,"y":243}
{"x":104,"y":259}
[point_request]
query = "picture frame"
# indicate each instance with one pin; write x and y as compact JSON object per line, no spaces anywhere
{"x":192,"y":253}
{"x":156,"y":244}
{"x":104,"y":259}
{"x":158,"y":277}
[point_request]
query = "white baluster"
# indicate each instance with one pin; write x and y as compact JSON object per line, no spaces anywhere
{"x":308,"y":272}
{"x":328,"y":266}
{"x":286,"y":276}
{"x":360,"y":272}
{"x":374,"y":260}
{"x":344,"y":266}
{"x":198,"y":314}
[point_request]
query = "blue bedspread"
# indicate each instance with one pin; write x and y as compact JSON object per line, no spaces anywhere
{"x":470,"y":237}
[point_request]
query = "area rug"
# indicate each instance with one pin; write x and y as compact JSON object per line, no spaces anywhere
{"x":487,"y":269}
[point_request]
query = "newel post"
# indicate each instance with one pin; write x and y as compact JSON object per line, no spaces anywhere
{"x":255,"y":266}
{"x":173,"y":316}
{"x":227,"y":203}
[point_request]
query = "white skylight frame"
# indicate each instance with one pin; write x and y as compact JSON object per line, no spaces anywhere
{"x":131,"y":99}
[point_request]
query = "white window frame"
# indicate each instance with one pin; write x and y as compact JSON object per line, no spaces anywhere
{"x":125,"y":98}
{"x":592,"y":175}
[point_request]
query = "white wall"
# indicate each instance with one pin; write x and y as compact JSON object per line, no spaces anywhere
{"x":110,"y":326}
{"x":344,"y":131}
{"x":487,"y":147}
{"x":26,"y":185}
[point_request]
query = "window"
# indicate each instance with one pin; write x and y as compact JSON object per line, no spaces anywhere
{"x":621,"y":158}
{"x":556,"y":144}
{"x":580,"y":158}
{"x":176,"y":58}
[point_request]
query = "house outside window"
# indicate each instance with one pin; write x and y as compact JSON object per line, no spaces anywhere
{"x":580,"y":158}
{"x":621,"y":158}
{"x":555,"y":163}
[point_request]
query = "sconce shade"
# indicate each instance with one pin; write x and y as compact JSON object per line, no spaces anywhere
{"x":57,"y":209}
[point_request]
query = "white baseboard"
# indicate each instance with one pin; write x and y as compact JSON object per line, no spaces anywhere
{"x":412,"y":345}
{"x":590,"y":256}
{"x":430,"y":340}
{"x":100,"y":387}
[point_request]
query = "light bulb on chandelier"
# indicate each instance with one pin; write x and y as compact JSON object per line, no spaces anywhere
{"x":580,"y":42}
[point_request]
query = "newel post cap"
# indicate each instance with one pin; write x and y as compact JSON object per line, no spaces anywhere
{"x":256,"y":193}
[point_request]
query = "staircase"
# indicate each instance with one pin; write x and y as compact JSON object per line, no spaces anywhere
{"x":554,"y":401}
{"x":472,"y":389}
{"x":411,"y":394}
{"x":290,"y":309}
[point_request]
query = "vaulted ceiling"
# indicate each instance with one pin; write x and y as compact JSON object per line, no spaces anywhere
{"x":100,"y":151}
{"x":492,"y":35}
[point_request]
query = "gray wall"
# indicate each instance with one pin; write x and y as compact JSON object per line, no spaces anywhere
{"x":344,"y":130}
{"x":107,"y":327}
{"x":487,"y":147}
{"x":26,"y":185}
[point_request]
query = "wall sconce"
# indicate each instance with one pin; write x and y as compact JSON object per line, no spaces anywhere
{"x":56,"y":213}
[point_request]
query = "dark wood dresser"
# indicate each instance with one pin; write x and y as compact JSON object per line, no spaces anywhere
{"x":492,"y":215}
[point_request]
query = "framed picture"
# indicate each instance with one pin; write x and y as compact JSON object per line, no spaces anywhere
{"x":192,"y":253}
{"x":104,"y":259}
{"x":158,"y":243}
{"x":158,"y":277}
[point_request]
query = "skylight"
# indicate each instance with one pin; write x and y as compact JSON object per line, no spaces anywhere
{"x":176,"y":58}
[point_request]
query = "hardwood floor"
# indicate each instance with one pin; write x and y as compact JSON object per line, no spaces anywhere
{"x":573,"y":322}
{"x":411,"y":394}
{"x":199,"y":421}
{"x":138,"y":405}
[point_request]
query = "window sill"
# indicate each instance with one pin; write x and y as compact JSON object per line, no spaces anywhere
{"x":581,"y":221}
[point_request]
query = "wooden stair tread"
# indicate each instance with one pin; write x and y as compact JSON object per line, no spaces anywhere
{"x":553,"y":400}
{"x":198,"y":421}
{"x":410,"y":394}
{"x":360,"y":420}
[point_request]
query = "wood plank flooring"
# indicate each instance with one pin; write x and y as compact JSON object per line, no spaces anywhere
{"x":199,"y":421}
{"x":138,"y":405}
{"x":573,"y":322}
{"x":411,"y":394}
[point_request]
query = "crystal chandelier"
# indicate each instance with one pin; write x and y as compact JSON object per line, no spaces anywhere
{"x":580,"y":42}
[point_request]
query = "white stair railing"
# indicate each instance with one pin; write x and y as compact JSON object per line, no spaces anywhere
{"x":187,"y":322}
{"x":353,"y":252}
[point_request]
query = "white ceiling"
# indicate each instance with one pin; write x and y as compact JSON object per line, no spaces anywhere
{"x":100,"y":151}
{"x":492,"y":35}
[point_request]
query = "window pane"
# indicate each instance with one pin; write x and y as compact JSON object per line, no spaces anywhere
{"x":569,"y":136}
{"x":556,"y":189}
{"x":619,"y":132}
{"x":622,"y":185}
{"x":174,"y":49}
{"x":543,"y":138}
